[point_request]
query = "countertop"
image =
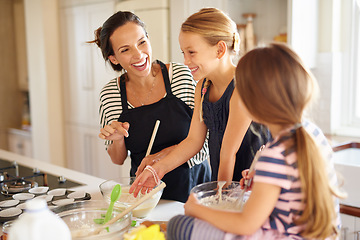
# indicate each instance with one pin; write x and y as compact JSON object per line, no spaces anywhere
{"x":162,"y":212}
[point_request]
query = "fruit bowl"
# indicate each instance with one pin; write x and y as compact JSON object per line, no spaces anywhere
{"x":83,"y":218}
{"x":228,"y":198}
{"x":128,"y":199}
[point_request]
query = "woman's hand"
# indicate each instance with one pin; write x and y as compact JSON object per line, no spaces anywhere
{"x":153,"y":158}
{"x":115,"y":131}
{"x":191,"y":205}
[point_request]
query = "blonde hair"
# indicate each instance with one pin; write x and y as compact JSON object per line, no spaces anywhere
{"x":276,"y":88}
{"x":214,"y":26}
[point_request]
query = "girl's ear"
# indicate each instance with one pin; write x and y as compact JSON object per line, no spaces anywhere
{"x":112,"y":59}
{"x":222,"y":48}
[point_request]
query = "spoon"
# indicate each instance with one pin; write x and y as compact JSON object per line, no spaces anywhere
{"x":247,"y":182}
{"x":129,"y":209}
{"x":115,"y":194}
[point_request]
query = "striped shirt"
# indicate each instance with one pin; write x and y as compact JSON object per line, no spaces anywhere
{"x":279,"y":167}
{"x":182,"y":86}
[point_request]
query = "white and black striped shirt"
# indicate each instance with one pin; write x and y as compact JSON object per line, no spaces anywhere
{"x":182,"y":86}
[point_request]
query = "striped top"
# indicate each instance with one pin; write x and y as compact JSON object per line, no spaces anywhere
{"x":279,"y":167}
{"x":182,"y":86}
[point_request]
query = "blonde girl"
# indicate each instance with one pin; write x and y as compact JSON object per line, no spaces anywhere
{"x":293,"y":193}
{"x":209,"y":41}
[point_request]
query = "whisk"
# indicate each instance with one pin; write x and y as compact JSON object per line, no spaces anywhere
{"x":247,"y":182}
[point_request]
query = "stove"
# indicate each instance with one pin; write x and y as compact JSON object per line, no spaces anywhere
{"x":15,"y":179}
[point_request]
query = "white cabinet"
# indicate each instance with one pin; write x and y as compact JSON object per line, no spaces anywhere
{"x":357,"y":229}
{"x":155,"y":15}
{"x":84,"y":74}
{"x":20,"y":142}
{"x":86,"y":153}
{"x":350,"y":227}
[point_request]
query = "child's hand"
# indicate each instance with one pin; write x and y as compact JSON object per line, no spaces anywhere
{"x":247,"y":176}
{"x":191,"y":204}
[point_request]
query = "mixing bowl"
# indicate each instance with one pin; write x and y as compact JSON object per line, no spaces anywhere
{"x":128,"y":199}
{"x":228,"y":198}
{"x":82,"y":217}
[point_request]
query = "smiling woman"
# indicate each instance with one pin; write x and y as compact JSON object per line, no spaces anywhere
{"x":145,"y":92}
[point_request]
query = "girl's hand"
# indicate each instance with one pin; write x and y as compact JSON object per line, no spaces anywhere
{"x":115,"y":131}
{"x":153,"y":158}
{"x":191,"y":205}
{"x":145,"y":182}
{"x":247,"y":176}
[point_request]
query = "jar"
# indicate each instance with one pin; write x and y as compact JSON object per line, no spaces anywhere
{"x":5,"y":230}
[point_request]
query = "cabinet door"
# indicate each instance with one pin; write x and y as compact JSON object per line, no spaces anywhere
{"x":86,"y":153}
{"x":348,"y":227}
{"x":20,"y":142}
{"x":357,"y":228}
{"x":85,"y":72}
{"x":155,"y":15}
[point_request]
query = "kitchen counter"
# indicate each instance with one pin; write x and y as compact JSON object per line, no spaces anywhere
{"x":162,"y":212}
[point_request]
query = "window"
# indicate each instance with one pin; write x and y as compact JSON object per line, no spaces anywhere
{"x":350,"y":77}
{"x":356,"y":62}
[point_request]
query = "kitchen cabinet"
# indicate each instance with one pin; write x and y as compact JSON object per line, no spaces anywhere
{"x":155,"y":15}
{"x":84,"y":74}
{"x":20,"y":142}
{"x":297,"y":18}
{"x":21,"y":56}
{"x":350,"y":227}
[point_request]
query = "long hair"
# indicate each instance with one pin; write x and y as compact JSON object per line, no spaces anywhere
{"x":103,"y":34}
{"x":214,"y":26}
{"x":276,"y":88}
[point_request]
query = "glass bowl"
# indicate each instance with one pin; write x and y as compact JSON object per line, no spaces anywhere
{"x":126,"y":198}
{"x":81,"y":218}
{"x":229,"y":198}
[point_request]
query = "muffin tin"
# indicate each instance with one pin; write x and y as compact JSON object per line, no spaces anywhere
{"x":13,"y":207}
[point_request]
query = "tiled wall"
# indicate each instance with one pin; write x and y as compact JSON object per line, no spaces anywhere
{"x":321,"y":112}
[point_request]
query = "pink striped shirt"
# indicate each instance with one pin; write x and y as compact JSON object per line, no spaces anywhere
{"x":278,"y":165}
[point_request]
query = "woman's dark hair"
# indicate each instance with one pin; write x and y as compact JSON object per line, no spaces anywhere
{"x":103,"y":34}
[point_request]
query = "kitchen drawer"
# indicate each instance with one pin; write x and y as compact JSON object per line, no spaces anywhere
{"x":20,"y":142}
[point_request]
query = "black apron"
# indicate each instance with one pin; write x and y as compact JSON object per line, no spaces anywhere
{"x":216,"y":116}
{"x":175,"y":117}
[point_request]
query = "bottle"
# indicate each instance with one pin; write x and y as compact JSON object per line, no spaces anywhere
{"x":25,"y":121}
{"x":39,"y":223}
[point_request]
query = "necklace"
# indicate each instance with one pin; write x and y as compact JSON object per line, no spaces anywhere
{"x":147,"y":96}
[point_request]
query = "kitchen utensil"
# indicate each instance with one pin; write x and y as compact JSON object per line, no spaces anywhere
{"x":249,"y":31}
{"x":129,"y":209}
{"x":79,"y":217}
{"x":220,"y":186}
{"x":156,"y":127}
{"x":128,"y":199}
{"x":247,"y":182}
{"x":115,"y":195}
{"x":210,"y":195}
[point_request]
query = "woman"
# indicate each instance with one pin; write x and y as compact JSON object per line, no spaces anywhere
{"x":145,"y":92}
{"x":209,"y":41}
{"x":295,"y":187}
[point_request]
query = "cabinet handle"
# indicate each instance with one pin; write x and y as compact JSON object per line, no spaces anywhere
{"x":344,"y":231}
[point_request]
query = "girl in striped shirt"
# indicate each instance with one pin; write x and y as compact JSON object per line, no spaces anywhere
{"x":294,"y":192}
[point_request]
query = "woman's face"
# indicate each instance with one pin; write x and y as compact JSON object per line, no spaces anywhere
{"x":132,"y":49}
{"x":199,"y":56}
